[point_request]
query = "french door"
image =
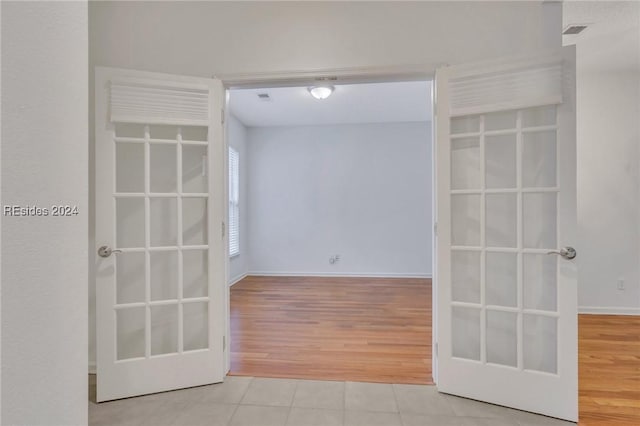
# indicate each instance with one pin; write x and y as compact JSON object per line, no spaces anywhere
{"x":506,"y":215}
{"x":159,"y":232}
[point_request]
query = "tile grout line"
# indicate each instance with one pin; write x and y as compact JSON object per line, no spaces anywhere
{"x":344,"y":403}
{"x":286,"y":421}
{"x":395,"y":398}
{"x":246,"y":390}
{"x":233,"y":414}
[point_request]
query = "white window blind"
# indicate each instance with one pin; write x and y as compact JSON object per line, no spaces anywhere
{"x":499,"y":87}
{"x":141,"y":101}
{"x":234,"y":201}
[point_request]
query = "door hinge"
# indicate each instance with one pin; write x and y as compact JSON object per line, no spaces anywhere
{"x":222,"y":118}
{"x":435,"y":228}
{"x":435,"y":348}
{"x":224,"y":343}
{"x":224,"y":229}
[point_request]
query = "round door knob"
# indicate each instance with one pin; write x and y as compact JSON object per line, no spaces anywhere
{"x":105,"y":251}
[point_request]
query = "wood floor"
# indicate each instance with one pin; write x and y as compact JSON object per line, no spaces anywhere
{"x":609,"y":369}
{"x":379,"y":330}
{"x":353,"y":329}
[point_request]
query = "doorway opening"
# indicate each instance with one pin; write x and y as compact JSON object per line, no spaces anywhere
{"x":331,"y":231}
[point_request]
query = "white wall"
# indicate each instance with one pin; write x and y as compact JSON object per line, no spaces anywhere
{"x":609,"y":191}
{"x":608,"y":150}
{"x":237,"y":138}
{"x":362,"y":191}
{"x":205,"y":38}
{"x":44,"y":259}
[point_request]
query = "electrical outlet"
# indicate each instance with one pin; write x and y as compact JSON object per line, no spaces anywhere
{"x":620,"y":283}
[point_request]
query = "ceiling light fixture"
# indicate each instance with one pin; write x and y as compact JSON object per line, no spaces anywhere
{"x":321,"y":92}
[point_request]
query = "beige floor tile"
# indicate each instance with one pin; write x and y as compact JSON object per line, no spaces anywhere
{"x":276,"y":392}
{"x":230,"y":392}
{"x":420,"y":399}
{"x":431,"y":420}
{"x":369,"y":418}
{"x":319,"y":394}
{"x":470,"y":408}
{"x":205,"y":414}
{"x":315,"y":417}
{"x":251,"y":415}
{"x":370,"y":397}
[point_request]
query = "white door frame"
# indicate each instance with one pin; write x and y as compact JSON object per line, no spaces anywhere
{"x":291,"y":78}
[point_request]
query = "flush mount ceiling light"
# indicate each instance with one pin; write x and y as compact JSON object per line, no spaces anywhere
{"x":321,"y":92}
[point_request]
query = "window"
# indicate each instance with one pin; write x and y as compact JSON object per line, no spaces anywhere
{"x":234,"y":201}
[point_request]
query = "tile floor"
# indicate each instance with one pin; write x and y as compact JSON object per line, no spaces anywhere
{"x":248,"y":401}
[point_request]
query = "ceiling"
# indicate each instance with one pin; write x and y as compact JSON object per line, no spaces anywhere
{"x":349,"y":104}
{"x":612,"y":38}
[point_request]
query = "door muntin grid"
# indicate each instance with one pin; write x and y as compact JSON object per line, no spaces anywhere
{"x":161,"y":204}
{"x":504,"y":189}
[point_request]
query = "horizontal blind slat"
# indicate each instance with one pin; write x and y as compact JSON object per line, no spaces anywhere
{"x":140,"y":102}
{"x":506,"y":88}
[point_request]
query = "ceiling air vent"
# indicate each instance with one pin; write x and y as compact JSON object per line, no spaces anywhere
{"x":264,"y":97}
{"x":574,"y":29}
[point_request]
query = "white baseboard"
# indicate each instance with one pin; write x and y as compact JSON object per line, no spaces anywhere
{"x":337,"y":274}
{"x":235,"y":279}
{"x":92,"y":368}
{"x":597,"y":310}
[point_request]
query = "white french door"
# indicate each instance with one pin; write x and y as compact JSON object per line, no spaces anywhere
{"x":160,"y":272}
{"x":506,"y":210}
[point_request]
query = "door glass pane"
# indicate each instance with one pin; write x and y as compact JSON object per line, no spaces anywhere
{"x":500,"y":120}
{"x":465,"y":163}
{"x":164,"y":275}
{"x":196,"y":325}
{"x":129,"y":130}
{"x":195,"y":273}
{"x":129,"y":167}
{"x":164,"y":175}
{"x":194,"y":174}
{"x":130,"y":325}
{"x":501,"y":284}
{"x":539,"y":220}
{"x":130,"y":277}
{"x":465,"y":220}
{"x":166,"y":132}
{"x":540,"y":341}
{"x":465,"y":329}
{"x":467,"y":124}
{"x":502,"y":338}
{"x":130,"y":222}
{"x":540,"y":281}
{"x":164,"y":329}
{"x":194,"y":221}
{"x":539,"y":159}
{"x":501,"y":220}
{"x":164,"y":222}
{"x":539,"y":116}
{"x":500,"y":161}
{"x":195,"y":133}
{"x":465,"y":276}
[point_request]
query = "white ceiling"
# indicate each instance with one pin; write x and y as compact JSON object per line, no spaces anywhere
{"x":612,"y":38}
{"x":349,"y":104}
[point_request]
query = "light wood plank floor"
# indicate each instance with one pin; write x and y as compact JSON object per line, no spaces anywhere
{"x":609,"y":369}
{"x":379,"y":330}
{"x":353,"y":329}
